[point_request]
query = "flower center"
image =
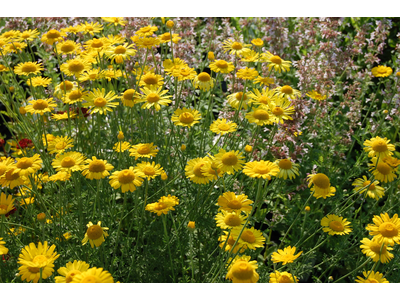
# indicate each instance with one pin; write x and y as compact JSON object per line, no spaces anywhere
{"x":371,"y":187}
{"x":261,"y":168}
{"x":4,"y":208}
{"x":186,"y":118}
{"x":153,"y":97}
{"x":285,"y":164}
{"x":185,"y":72}
{"x":277,"y":111}
{"x":150,"y":79}
{"x":94,"y":232}
{"x":284,"y":279}
{"x":204,"y":77}
{"x":388,"y":229}
{"x":89,"y":28}
{"x":237,"y":46}
{"x":61,"y":145}
{"x":53,"y":34}
{"x":126,"y":176}
{"x":67,"y":47}
{"x":33,"y":269}
{"x":197,"y":170}
{"x":128,"y":94}
{"x":100,"y":102}
{"x":276,"y":59}
{"x":10,"y":176}
{"x":40,"y":104}
{"x":234,"y":204}
{"x":248,"y":236}
{"x":379,"y":146}
{"x":161,"y":205}
{"x":120,"y":50}
{"x":144,"y":149}
{"x":336,"y":226}
{"x":287,"y":90}
{"x":224,"y":127}
{"x":66,"y":85}
{"x":240,"y":95}
{"x":29,"y":67}
{"x":229,"y":159}
{"x":76,"y":67}
{"x":74,"y":95}
{"x":97,"y":166}
{"x":89,"y":279}
{"x":97,"y":43}
{"x":149,"y":171}
{"x":40,"y":260}
{"x":24,"y":163}
{"x":232,"y":220}
{"x":383,"y":168}
{"x":3,"y":169}
{"x":221,"y":64}
{"x":71,"y":274}
{"x":261,"y":114}
{"x":67,"y":162}
{"x":242,"y":270}
{"x":375,"y":247}
{"x":263,"y":100}
{"x":321,"y":181}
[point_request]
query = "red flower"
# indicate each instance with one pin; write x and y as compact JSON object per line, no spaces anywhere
{"x":23,"y":143}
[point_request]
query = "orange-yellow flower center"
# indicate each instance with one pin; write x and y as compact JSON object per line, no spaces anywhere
{"x":67,"y":162}
{"x":66,"y":85}
{"x":204,"y":77}
{"x":285,"y":164}
{"x":284,"y":279}
{"x":128,"y":94}
{"x":186,"y":118}
{"x":74,"y":95}
{"x":3,"y":208}
{"x":371,"y":187}
{"x":197,"y":169}
{"x":97,"y":166}
{"x":237,"y":46}
{"x":375,"y":247}
{"x":61,"y":145}
{"x":10,"y":176}
{"x":261,"y":114}
{"x":100,"y":102}
{"x":71,"y":274}
{"x":388,"y":229}
{"x":336,"y":226}
{"x":287,"y":90}
{"x":276,"y":59}
{"x":40,"y":104}
{"x":97,"y":43}
{"x":278,"y":111}
{"x":33,"y":269}
{"x":261,"y":168}
{"x":150,"y":79}
{"x":379,"y":146}
{"x":126,"y":176}
{"x":221,"y":64}
{"x":242,"y":270}
{"x":232,"y":220}
{"x":383,"y":168}
{"x":264,"y":100}
{"x":321,"y":180}
{"x":185,"y":72}
{"x":240,"y":95}
{"x":94,"y":232}
{"x":143,"y":149}
{"x":234,"y":204}
{"x":120,"y":50}
{"x":53,"y":34}
{"x":153,"y":97}
{"x":24,"y":163}
{"x":149,"y":171}
{"x":29,"y":67}
{"x":248,"y":236}
{"x":229,"y":159}
{"x":89,"y":279}
{"x":76,"y":67}
{"x":67,"y":47}
{"x":40,"y":260}
{"x":160,"y":205}
{"x":371,"y":280}
{"x":224,"y":127}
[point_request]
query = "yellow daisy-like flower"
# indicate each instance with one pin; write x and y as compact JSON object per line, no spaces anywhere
{"x":90,"y":28}
{"x":381,"y":71}
{"x":71,"y":29}
{"x":12,"y":178}
{"x":228,"y":245}
{"x":40,"y":106}
{"x":120,"y":53}
{"x":29,"y":35}
{"x":322,"y":185}
{"x":163,"y":206}
{"x":375,"y":250}
{"x":221,"y":66}
{"x":75,"y":67}
{"x":203,"y":81}
{"x":26,"y":201}
{"x":15,"y":47}
{"x":281,"y":110}
{"x":391,"y":161}
{"x":64,"y":88}
{"x":275,"y":62}
{"x":60,"y":176}
{"x":264,"y":80}
{"x":227,"y":220}
{"x":6,"y":204}
{"x":52,"y":36}
{"x":285,"y":256}
{"x":130,"y":97}
{"x":96,"y":168}
{"x":3,"y":249}
{"x":335,"y":225}
{"x":166,"y":38}
{"x":282,"y":277}
{"x":70,"y":270}
{"x":247,"y":73}
{"x":33,"y":258}
{"x":186,"y":117}
{"x":149,"y":170}
{"x":127,"y":180}
{"x":95,"y":234}
{"x":194,"y":172}
{"x":121,"y":146}
{"x":257,"y":42}
{"x":68,"y":47}
{"x":175,"y":64}
{"x":316,"y":96}
{"x":242,"y":270}
{"x":143,"y":150}
{"x":235,"y":48}
{"x":75,"y":96}
{"x":373,"y":277}
{"x":379,"y":147}
{"x":229,"y":161}
{"x":222,"y":126}
{"x":239,"y":100}
{"x":151,"y":80}
{"x":261,"y":169}
{"x":100,"y":102}
{"x":146,"y":31}
{"x":155,"y":98}
{"x":385,"y":229}
{"x":28,"y":165}
{"x":230,"y":202}
{"x":91,"y":75}
{"x":263,"y":99}
{"x":250,"y":237}
{"x":68,"y":162}
{"x":287,"y":168}
{"x":250,"y":56}
{"x":39,"y":81}
{"x":97,"y":45}
{"x":373,"y":191}
{"x":93,"y":275}
{"x":383,"y":171}
{"x":59,"y":144}
{"x":115,"y":20}
{"x":259,"y":116}
{"x":185,"y":73}
{"x":11,"y":35}
{"x":148,"y":42}
{"x":28,"y":68}
{"x":287,"y":92}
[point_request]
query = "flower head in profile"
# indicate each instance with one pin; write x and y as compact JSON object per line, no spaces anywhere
{"x":60,"y":176}
{"x":151,"y":80}
{"x":95,"y":234}
{"x":264,"y":81}
{"x":321,"y":185}
{"x":242,"y":270}
{"x":28,"y":165}
{"x":373,"y":190}
{"x":12,"y":178}
{"x":262,"y":99}
{"x":6,"y":204}
{"x":52,"y":36}
{"x":115,"y":20}
{"x":130,"y":97}
{"x":100,"y":102}
{"x":316,"y":96}
{"x":70,"y":270}
{"x":29,"y":35}
{"x":275,"y":62}
{"x":385,"y":229}
{"x":148,"y":42}
{"x":259,"y":116}
{"x":143,"y":150}
{"x":59,"y":144}
{"x":39,"y":81}
{"x":381,"y":71}
{"x":250,"y":56}
{"x":287,"y":169}
{"x":247,"y":73}
{"x":194,"y":170}
{"x":186,"y":117}
{"x":231,"y":202}
{"x":146,"y":31}
{"x":96,"y":168}
{"x":163,"y":205}
{"x":90,"y":28}
{"x":379,"y":147}
{"x":382,"y":170}
{"x":261,"y":169}
{"x":282,"y":277}
{"x":239,"y":100}
{"x":335,"y":225}
{"x":68,"y":162}
{"x":228,"y":220}
{"x":203,"y":81}
{"x":229,"y":161}
{"x":287,"y":92}
{"x":377,"y":251}
{"x":281,"y":110}
{"x":371,"y":277}
{"x":120,"y":53}
{"x":93,"y":275}
{"x":127,"y":180}
{"x":149,"y":170}
{"x":285,"y":256}
{"x":121,"y":146}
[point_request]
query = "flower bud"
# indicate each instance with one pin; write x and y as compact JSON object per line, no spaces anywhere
{"x":307,"y":208}
{"x":120,"y":136}
{"x":248,"y":148}
{"x":211,"y":55}
{"x":183,"y":147}
{"x":164,"y":176}
{"x":22,"y":110}
{"x":11,"y":89}
{"x":191,"y":225}
{"x":170,"y":24}
{"x":41,"y":217}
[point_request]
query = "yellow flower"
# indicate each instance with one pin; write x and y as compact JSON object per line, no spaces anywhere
{"x":373,"y":191}
{"x":68,"y":47}
{"x":262,"y":99}
{"x":93,"y":275}
{"x":239,"y":100}
{"x":186,"y":117}
{"x":222,"y":126}
{"x":194,"y":172}
{"x":130,"y":97}
{"x":257,"y":42}
{"x":379,"y":147}
{"x":322,"y":186}
{"x":28,"y":165}
{"x":248,"y":149}
{"x":185,"y":73}
{"x":12,"y":178}
{"x":59,"y":144}
{"x":230,"y":202}
{"x":285,"y":256}
{"x":68,"y":162}
{"x":203,"y":81}
{"x":29,"y":35}
{"x":39,"y":81}
{"x":75,"y":67}
{"x":229,"y":161}
{"x":143,"y":150}
{"x":287,"y":169}
{"x":287,"y":92}
{"x":236,"y":48}
{"x":335,"y":225}
{"x":376,"y":251}
{"x":247,"y":73}
{"x":149,"y":170}
{"x":386,"y":229}
{"x":3,"y":249}
{"x":120,"y":53}
{"x":381,"y":71}
{"x":90,"y":28}
{"x":316,"y":96}
{"x":226,"y":220}
{"x":148,"y":42}
{"x":275,"y":62}
{"x":65,"y":87}
{"x":264,"y":80}
{"x":163,"y":206}
{"x":242,"y":270}
{"x":250,"y":237}
{"x":70,"y":270}
{"x":146,"y":31}
{"x":221,"y":66}
{"x":28,"y":68}
{"x":121,"y":146}
{"x":53,"y":36}
{"x":75,"y":96}
{"x":281,"y":109}
{"x":96,"y":168}
{"x":155,"y":98}
{"x":151,"y":80}
{"x":250,"y":56}
{"x":40,"y":106}
{"x":6,"y":204}
{"x":191,"y":225}
{"x":260,"y":169}
{"x":382,"y":171}
{"x":282,"y":277}
{"x":259,"y":116}
{"x":227,"y":245}
{"x":373,"y":277}
{"x":127,"y":180}
{"x":60,"y":176}
{"x":100,"y":102}
{"x":95,"y":234}
{"x":115,"y":20}
{"x":166,"y":38}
